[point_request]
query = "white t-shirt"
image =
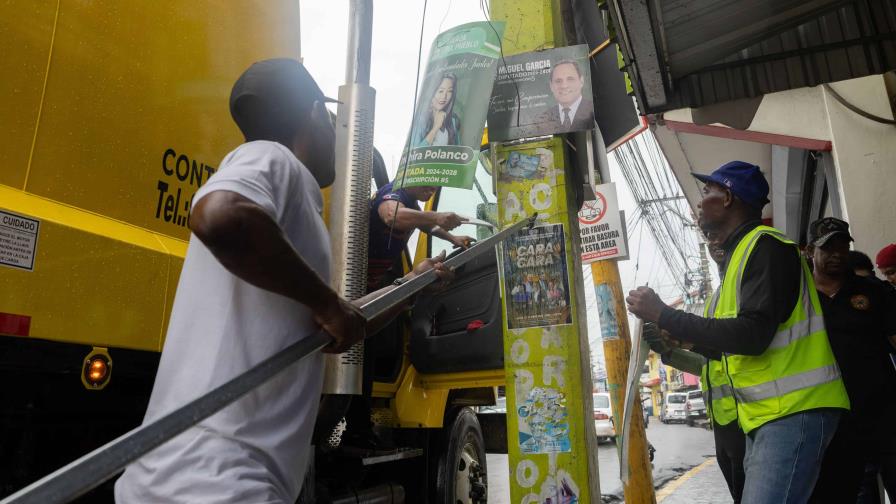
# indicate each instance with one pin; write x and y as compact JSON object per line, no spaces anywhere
{"x":255,"y":450}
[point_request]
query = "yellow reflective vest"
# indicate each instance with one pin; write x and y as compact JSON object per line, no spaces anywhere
{"x":714,"y":381}
{"x":797,"y":372}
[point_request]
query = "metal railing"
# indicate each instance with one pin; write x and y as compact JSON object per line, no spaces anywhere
{"x":98,"y":466}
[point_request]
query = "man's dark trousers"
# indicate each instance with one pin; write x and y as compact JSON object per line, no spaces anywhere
{"x":730,"y":449}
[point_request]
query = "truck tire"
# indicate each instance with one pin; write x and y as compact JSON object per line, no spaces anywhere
{"x":459,"y":453}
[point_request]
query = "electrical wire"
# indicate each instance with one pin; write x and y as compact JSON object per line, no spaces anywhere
{"x":857,"y":110}
{"x":407,"y":153}
{"x":484,"y":7}
{"x":447,"y":11}
{"x":638,"y":254}
{"x":663,"y":211}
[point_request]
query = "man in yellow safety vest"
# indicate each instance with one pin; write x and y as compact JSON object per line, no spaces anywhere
{"x":729,"y":438}
{"x":768,"y":331}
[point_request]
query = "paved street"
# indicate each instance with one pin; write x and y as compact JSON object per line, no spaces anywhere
{"x":703,"y":484}
{"x":678,"y":449}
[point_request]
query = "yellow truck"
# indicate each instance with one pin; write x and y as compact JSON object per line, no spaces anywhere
{"x":113,"y":114}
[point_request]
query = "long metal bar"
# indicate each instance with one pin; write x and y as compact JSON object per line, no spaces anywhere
{"x":416,"y":284}
{"x":91,"y":470}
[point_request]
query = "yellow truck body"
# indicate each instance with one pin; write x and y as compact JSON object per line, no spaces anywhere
{"x":112,"y":115}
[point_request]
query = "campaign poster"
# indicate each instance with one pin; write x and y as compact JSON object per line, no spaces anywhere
{"x":442,"y":148}
{"x":541,"y":93}
{"x":536,"y":278}
{"x":601,"y":226}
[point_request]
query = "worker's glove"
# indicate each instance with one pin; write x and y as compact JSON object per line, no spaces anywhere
{"x":654,"y":338}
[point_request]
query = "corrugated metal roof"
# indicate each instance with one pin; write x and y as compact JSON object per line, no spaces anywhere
{"x":690,"y":53}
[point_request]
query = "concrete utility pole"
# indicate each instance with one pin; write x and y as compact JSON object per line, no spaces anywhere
{"x":546,"y":366}
{"x":617,"y":349}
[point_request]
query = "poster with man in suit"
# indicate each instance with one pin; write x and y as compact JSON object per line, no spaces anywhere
{"x":542,"y":93}
{"x":571,"y":110}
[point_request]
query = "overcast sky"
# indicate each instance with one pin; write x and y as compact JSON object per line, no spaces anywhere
{"x":396,"y":37}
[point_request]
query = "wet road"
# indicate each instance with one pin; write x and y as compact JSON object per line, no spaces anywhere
{"x":678,"y":448}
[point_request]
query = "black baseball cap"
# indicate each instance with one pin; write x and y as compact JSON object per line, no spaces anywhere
{"x":826,"y":228}
{"x":272,"y":96}
{"x":743,"y":179}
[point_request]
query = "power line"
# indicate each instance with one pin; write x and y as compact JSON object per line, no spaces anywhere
{"x":663,"y":209}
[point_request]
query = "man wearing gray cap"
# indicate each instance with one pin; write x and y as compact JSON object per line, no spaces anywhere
{"x":767,"y":328}
{"x":254,"y":281}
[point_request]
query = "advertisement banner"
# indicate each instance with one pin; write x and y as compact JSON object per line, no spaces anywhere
{"x":600,"y":227}
{"x":547,"y":434}
{"x":442,"y":148}
{"x":542,"y":93}
{"x":535,"y":275}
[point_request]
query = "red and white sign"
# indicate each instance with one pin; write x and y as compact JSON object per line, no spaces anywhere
{"x":600,"y":227}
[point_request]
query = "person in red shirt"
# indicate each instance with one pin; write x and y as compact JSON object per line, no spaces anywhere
{"x":886,"y":262}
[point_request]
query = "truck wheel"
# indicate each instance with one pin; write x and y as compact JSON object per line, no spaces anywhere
{"x":461,"y":476}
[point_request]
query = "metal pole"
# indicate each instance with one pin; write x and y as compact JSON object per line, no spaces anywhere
{"x":348,"y":223}
{"x":360,"y":30}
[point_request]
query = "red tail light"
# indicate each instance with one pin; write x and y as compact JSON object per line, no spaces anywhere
{"x":601,"y":416}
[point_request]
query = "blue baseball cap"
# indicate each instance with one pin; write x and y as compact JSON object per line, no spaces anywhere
{"x":743,"y":179}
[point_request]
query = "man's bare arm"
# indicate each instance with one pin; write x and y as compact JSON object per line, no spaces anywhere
{"x":444,"y":275}
{"x":249,"y":244}
{"x":395,"y":214}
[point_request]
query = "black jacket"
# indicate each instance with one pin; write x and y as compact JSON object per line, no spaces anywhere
{"x":769,"y":292}
{"x":582,"y":120}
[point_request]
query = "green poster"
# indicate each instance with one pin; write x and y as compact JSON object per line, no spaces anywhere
{"x":446,"y":131}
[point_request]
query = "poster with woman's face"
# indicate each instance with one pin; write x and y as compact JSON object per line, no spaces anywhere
{"x":437,"y":120}
{"x":446,"y":130}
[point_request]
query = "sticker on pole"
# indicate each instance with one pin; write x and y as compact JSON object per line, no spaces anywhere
{"x":606,"y":312}
{"x":600,"y":227}
{"x":18,"y":240}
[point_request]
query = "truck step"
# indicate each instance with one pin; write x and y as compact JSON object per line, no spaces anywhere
{"x":383,"y":456}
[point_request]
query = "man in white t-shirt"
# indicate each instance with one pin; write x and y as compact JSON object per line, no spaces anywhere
{"x":255,"y":280}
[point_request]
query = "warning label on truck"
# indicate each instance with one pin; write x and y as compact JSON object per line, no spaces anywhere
{"x":18,"y":240}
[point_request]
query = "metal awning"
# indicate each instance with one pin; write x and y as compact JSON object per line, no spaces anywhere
{"x":693,"y":53}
